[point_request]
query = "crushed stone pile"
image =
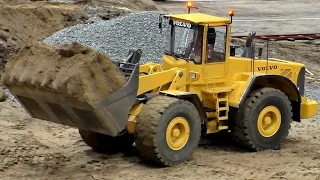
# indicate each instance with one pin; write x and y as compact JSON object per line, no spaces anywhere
{"x":73,"y":70}
{"x":117,"y":36}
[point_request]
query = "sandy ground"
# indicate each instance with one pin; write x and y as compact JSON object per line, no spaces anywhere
{"x":23,"y":23}
{"x":35,"y":149}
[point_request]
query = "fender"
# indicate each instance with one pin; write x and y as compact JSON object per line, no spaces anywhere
{"x":278,"y":82}
{"x":194,"y":99}
{"x":301,"y":81}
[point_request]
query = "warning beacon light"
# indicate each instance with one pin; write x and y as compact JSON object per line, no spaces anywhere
{"x":189,"y":6}
{"x":231,"y":14}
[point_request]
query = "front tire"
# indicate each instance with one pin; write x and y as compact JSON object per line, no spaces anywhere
{"x":104,"y":143}
{"x":263,"y":122}
{"x":168,"y":130}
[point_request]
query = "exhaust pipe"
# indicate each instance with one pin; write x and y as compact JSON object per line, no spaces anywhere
{"x":247,"y":52}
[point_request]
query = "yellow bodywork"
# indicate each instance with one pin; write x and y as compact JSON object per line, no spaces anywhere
{"x":219,"y":85}
{"x":199,"y":18}
{"x":308,"y":108}
{"x":269,"y":121}
{"x":177,"y":133}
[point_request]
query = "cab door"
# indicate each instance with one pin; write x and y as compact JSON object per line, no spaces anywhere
{"x":214,"y":50}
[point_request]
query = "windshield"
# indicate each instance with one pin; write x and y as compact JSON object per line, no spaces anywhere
{"x":186,"y":43}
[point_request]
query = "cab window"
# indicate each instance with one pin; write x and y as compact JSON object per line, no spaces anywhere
{"x":186,"y":41}
{"x":216,"y":44}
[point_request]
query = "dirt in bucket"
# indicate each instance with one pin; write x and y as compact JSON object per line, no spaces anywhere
{"x":74,"y":70}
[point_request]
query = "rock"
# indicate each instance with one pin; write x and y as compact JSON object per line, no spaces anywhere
{"x":3,"y":95}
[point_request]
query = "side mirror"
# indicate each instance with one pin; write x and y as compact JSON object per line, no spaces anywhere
{"x":260,"y":52}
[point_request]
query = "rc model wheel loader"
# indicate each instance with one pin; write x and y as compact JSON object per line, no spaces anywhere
{"x":201,"y":87}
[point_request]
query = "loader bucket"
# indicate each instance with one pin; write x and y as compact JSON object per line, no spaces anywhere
{"x":109,"y":116}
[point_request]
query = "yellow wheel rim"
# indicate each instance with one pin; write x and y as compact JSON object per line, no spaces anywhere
{"x":177,"y":133}
{"x":269,"y":121}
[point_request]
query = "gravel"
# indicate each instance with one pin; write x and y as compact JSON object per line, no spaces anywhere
{"x":117,"y":36}
{"x":11,"y":97}
{"x":312,"y":92}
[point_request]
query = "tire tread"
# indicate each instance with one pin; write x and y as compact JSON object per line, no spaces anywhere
{"x":148,"y":121}
{"x":240,"y":130}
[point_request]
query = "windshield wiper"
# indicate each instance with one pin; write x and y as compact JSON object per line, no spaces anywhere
{"x":181,"y":57}
{"x":176,"y":55}
{"x":171,"y":54}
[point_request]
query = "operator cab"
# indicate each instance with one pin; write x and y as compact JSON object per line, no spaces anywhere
{"x":198,"y":37}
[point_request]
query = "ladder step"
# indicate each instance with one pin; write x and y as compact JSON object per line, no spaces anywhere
{"x":223,"y":127}
{"x":223,"y":118}
{"x":216,"y":90}
{"x":211,"y":114}
{"x":223,"y":108}
{"x":222,"y":99}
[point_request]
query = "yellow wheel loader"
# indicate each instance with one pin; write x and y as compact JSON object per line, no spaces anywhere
{"x":200,"y":87}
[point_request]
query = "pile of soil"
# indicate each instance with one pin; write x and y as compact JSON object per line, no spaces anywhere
{"x":107,"y":9}
{"x":27,"y":21}
{"x":24,"y":23}
{"x":73,"y":70}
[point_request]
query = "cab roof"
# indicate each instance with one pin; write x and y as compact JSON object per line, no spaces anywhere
{"x":199,"y":18}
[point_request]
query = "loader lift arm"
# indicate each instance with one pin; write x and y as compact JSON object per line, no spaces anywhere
{"x":155,"y":80}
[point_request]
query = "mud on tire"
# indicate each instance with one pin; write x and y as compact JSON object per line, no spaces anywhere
{"x":245,"y":129}
{"x":151,"y":128}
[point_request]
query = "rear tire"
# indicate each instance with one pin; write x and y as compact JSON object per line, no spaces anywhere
{"x":263,"y":122}
{"x":168,"y":130}
{"x":104,"y":143}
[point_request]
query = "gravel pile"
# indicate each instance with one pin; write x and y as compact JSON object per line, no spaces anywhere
{"x":117,"y":36}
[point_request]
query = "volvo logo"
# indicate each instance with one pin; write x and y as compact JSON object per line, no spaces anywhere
{"x":182,"y":24}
